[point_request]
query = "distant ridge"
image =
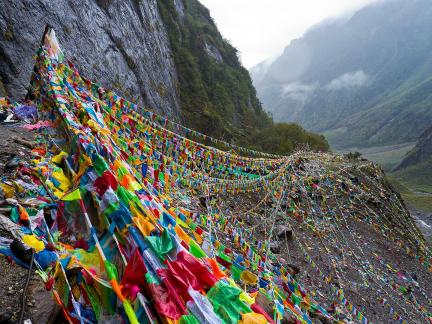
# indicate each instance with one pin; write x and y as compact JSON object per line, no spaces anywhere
{"x":421,"y":153}
{"x":362,"y":82}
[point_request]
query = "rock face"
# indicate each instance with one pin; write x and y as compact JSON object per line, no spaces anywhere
{"x":166,"y":55}
{"x":122,"y":44}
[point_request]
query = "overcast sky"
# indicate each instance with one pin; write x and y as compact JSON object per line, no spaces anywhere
{"x":261,"y":29}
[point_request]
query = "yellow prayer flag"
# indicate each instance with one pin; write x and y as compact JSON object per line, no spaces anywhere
{"x":253,"y":318}
{"x":58,"y":158}
{"x":33,"y":242}
{"x":64,"y":182}
{"x":249,"y":277}
{"x":74,"y":195}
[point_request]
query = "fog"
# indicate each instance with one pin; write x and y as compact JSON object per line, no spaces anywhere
{"x":261,"y":29}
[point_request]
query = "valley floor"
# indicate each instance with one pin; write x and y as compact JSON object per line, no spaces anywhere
{"x":387,"y":156}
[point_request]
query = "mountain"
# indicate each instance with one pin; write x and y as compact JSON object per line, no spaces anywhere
{"x":167,"y":55}
{"x":215,"y":91}
{"x":127,"y":220}
{"x":414,"y":174}
{"x":364,"y":81}
{"x":421,"y":153}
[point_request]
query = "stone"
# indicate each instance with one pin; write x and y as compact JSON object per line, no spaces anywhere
{"x":283,"y":231}
{"x":12,"y":163}
{"x":45,"y":310}
{"x":274,"y":247}
{"x":5,"y":316}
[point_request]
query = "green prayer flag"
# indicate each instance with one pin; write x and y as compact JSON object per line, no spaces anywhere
{"x":111,"y":208}
{"x":224,"y":257}
{"x":192,"y":226}
{"x":99,"y":164}
{"x":196,"y":250}
{"x":226,"y":302}
{"x":14,"y":215}
{"x":236,"y":272}
{"x":161,"y":245}
{"x":151,"y":279}
{"x":188,"y":319}
{"x":111,"y":270}
{"x":74,"y":195}
{"x":94,"y":300}
{"x":296,"y":299}
{"x":122,"y":171}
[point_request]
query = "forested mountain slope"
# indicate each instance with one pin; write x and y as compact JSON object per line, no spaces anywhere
{"x":363,"y":81}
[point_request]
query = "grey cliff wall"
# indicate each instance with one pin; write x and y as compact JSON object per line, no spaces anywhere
{"x":121,"y":44}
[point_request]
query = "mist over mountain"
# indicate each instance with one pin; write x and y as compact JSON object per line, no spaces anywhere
{"x":364,"y":81}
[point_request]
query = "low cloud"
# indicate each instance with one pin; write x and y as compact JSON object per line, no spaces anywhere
{"x":349,"y":80}
{"x":298,"y":91}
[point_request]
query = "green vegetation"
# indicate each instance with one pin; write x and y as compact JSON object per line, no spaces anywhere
{"x":397,"y":117}
{"x":415,"y":185}
{"x":418,"y":200}
{"x":418,"y":176}
{"x":281,"y":138}
{"x":334,"y":134}
{"x":216,"y":92}
{"x":387,"y":156}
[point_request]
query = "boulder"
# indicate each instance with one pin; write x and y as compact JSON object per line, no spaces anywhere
{"x":45,"y":310}
{"x":274,"y":247}
{"x":284,"y":232}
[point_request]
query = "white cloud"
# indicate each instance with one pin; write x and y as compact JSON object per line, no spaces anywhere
{"x":261,"y":29}
{"x":349,"y":80}
{"x":298,"y":91}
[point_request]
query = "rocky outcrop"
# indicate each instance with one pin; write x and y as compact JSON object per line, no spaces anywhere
{"x":122,"y":44}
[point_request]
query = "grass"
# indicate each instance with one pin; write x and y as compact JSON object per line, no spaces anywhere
{"x":421,"y":203}
{"x":387,"y":156}
{"x":418,"y":177}
{"x":413,"y":198}
{"x":333,"y":134}
{"x":415,"y":186}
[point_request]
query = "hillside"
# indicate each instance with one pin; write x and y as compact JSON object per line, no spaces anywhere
{"x":363,"y":81}
{"x":163,"y":54}
{"x":413,"y":175}
{"x":127,"y":219}
{"x":420,"y":154}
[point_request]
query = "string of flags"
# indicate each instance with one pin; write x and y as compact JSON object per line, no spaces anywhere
{"x":112,"y":244}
